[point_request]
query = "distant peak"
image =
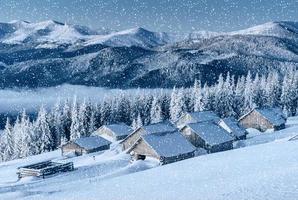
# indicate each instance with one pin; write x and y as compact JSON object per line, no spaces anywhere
{"x":18,"y":22}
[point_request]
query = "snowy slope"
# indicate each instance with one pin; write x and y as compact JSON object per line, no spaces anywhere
{"x":50,"y":34}
{"x":265,"y":171}
{"x":51,"y":53}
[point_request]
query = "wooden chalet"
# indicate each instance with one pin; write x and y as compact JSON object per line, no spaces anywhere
{"x":194,"y":117}
{"x":263,"y":119}
{"x":85,"y":145}
{"x":160,"y":127}
{"x":234,"y":128}
{"x":114,"y":132}
{"x":208,"y":135}
{"x":167,"y":147}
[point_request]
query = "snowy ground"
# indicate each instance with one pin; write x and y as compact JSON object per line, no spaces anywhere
{"x":268,"y":170}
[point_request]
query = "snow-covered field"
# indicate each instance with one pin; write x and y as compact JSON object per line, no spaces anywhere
{"x":268,"y":170}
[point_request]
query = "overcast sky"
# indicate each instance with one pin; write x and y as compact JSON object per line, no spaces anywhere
{"x":157,"y":15}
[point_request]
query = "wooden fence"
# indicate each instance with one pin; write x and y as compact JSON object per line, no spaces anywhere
{"x":43,"y":169}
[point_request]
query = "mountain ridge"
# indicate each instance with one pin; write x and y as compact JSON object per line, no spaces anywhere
{"x":51,"y":53}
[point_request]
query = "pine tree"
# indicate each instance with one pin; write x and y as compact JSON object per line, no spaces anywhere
{"x":56,"y":124}
{"x":139,"y":121}
{"x":42,"y":132}
{"x":248,"y":93}
{"x":65,"y":121}
{"x":75,"y":124}
{"x":83,"y":120}
{"x":156,"y":113}
{"x":176,"y":104}
{"x":197,"y":96}
{"x":238,"y":103}
{"x":8,"y":142}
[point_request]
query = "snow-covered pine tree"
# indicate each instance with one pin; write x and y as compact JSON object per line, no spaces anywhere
{"x":248,"y":93}
{"x":289,"y":94}
{"x":42,"y":132}
{"x":105,"y":112}
{"x":25,"y":132}
{"x":273,"y":90}
{"x":176,"y":104}
{"x":65,"y":121}
{"x":139,"y":121}
{"x":197,"y":96}
{"x":75,"y":124}
{"x":8,"y":142}
{"x":155,"y":113}
{"x":207,"y":98}
{"x":56,"y":124}
{"x":83,"y":120}
{"x":238,"y":102}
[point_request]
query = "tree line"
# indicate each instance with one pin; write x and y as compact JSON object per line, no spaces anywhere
{"x":72,"y":119}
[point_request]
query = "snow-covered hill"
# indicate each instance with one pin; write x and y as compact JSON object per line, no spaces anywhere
{"x":51,"y":53}
{"x":265,"y":171}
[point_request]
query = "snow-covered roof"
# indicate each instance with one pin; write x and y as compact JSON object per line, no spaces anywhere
{"x":91,"y":142}
{"x":273,"y":115}
{"x":233,"y":126}
{"x":160,"y":127}
{"x":211,"y":132}
{"x":120,"y":129}
{"x":169,"y":144}
{"x":204,"y":116}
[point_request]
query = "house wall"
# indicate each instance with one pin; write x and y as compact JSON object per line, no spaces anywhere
{"x":257,"y":121}
{"x":105,"y":131}
{"x":142,"y":148}
{"x":131,"y":139}
{"x":105,"y":147}
{"x":193,"y":138}
{"x":72,"y":147}
{"x":221,"y":147}
{"x":168,"y":160}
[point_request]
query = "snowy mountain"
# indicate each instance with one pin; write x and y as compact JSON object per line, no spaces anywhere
{"x":264,"y":168}
{"x":52,"y":53}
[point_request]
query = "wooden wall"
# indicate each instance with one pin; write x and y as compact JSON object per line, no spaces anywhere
{"x":142,"y":148}
{"x":256,"y":120}
{"x":131,"y":139}
{"x":193,"y":138}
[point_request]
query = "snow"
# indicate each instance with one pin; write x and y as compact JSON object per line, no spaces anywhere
{"x":265,"y":171}
{"x":91,"y":142}
{"x":231,"y":125}
{"x":204,"y":116}
{"x":277,"y":29}
{"x":159,"y":127}
{"x":120,"y":129}
{"x":169,"y":144}
{"x":212,"y":133}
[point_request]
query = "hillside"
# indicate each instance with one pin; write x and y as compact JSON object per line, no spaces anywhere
{"x":264,"y":171}
{"x":51,"y":53}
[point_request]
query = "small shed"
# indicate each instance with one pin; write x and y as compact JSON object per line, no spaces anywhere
{"x":168,"y":147}
{"x":160,"y":127}
{"x":263,"y":119}
{"x":232,"y":126}
{"x":208,"y":135}
{"x":194,"y":117}
{"x":85,"y":145}
{"x":114,"y":132}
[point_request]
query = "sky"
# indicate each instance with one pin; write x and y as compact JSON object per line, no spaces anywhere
{"x":156,"y":15}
